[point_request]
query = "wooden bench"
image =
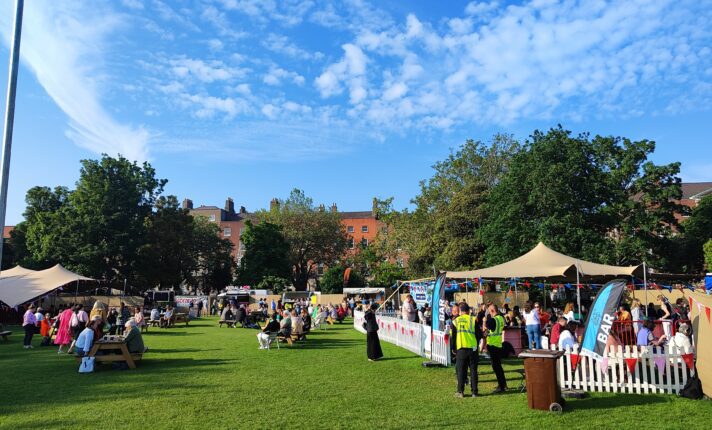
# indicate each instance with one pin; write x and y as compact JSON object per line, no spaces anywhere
{"x":154,"y":323}
{"x":293,"y":338}
{"x":180,"y":318}
{"x":124,"y":355}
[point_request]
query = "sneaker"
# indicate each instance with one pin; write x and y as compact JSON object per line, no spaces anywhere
{"x":30,"y":346}
{"x":499,"y":390}
{"x":475,"y":395}
{"x":24,"y":346}
{"x":459,"y":395}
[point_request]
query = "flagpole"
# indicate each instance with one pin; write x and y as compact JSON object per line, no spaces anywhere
{"x":645,"y":285}
{"x":578,"y":290}
{"x":10,"y":112}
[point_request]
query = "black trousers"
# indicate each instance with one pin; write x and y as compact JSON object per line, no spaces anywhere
{"x":496,"y":355}
{"x":466,"y":359}
{"x":29,"y":332}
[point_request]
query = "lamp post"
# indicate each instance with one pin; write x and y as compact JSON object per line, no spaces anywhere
{"x":10,"y":113}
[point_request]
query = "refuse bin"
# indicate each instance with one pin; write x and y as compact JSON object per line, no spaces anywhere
{"x":543,"y":391}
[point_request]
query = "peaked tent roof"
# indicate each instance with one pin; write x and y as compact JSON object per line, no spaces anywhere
{"x":544,"y":262}
{"x":15,"y":271}
{"x":19,"y":285}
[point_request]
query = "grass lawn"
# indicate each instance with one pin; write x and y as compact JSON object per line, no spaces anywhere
{"x":210,"y":378}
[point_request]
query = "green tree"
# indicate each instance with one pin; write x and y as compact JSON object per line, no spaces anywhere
{"x":274,"y":283}
{"x":597,"y":199}
{"x":166,"y":258}
{"x":107,"y":216}
{"x":314,"y":235}
{"x":707,"y":249}
{"x":332,"y":282}
{"x":697,"y":231}
{"x":266,"y":254}
{"x":442,"y":230}
{"x":214,"y":263}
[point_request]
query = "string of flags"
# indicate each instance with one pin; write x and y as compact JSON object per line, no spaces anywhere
{"x":632,"y":362}
{"x":526,"y":285}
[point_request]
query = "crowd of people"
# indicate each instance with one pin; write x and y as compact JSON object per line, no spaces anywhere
{"x":77,"y":331}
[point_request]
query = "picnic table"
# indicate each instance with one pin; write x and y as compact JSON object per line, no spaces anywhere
{"x":113,"y":344}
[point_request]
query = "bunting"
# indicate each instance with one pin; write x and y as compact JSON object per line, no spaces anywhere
{"x":631,"y":362}
{"x":660,"y":364}
{"x":575,"y":358}
{"x":689,"y":359}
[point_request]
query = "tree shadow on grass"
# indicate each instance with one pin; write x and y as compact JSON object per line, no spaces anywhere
{"x":170,"y":333}
{"x":177,"y":350}
{"x":324,"y":343}
{"x":614,"y":401}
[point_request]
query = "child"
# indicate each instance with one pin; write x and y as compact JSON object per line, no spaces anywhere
{"x":45,"y":329}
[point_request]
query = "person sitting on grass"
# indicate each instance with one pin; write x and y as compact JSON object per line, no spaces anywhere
{"x":271,"y":327}
{"x":285,"y":326}
{"x":85,"y":340}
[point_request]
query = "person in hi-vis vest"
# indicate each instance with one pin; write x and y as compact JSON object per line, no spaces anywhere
{"x":466,"y":356}
{"x":495,"y":327}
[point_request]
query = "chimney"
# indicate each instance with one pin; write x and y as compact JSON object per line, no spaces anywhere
{"x":322,"y":208}
{"x":229,"y":206}
{"x":187,"y":204}
{"x":374,"y":208}
{"x":243,"y":210}
{"x":274,"y":204}
{"x":333,"y":207}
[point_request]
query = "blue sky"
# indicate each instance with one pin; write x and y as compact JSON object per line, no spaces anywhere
{"x":348,"y":99}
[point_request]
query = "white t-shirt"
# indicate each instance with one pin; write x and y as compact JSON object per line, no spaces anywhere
{"x":532,"y":317}
{"x":566,"y":339}
{"x":39,"y":317}
{"x":569,"y":315}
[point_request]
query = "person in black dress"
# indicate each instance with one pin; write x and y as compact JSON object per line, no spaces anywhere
{"x":373,"y":345}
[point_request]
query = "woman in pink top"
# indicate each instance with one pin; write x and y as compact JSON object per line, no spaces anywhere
{"x":64,"y":335}
{"x":138,"y":317}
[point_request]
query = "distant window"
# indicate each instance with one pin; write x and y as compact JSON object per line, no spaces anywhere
{"x":241,"y":230}
{"x":364,"y":242}
{"x":364,"y":229}
{"x":320,"y":269}
{"x":350,"y":229}
{"x":212,"y":217}
{"x":227,"y":232}
{"x":242,"y":246}
{"x":351,"y":243}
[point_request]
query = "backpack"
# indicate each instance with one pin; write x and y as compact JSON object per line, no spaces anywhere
{"x":692,"y":389}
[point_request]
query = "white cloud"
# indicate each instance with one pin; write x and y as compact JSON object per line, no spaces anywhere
{"x":286,"y":12}
{"x":350,"y":70}
{"x":205,"y":106}
{"x":282,"y":45}
{"x":204,"y":71}
{"x":395,"y":91}
{"x":243,"y":89}
{"x":215,"y":45}
{"x":63,"y":43}
{"x":133,"y":4}
{"x":277,"y":74}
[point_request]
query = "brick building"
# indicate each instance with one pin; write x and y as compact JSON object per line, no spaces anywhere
{"x":230,"y":222}
{"x":692,"y":193}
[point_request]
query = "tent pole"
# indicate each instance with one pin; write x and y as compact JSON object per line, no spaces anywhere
{"x":400,"y":284}
{"x":578,"y":290}
{"x":645,"y":285}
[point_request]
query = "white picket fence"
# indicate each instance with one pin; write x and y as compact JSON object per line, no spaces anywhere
{"x":412,"y":336}
{"x":657,"y":370}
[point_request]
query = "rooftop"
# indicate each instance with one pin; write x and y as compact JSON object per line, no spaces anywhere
{"x":696,"y":189}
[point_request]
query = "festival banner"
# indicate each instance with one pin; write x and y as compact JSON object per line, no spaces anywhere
{"x":600,"y":319}
{"x":439,"y":302}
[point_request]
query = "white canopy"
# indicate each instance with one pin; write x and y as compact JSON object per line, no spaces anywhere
{"x":543,"y":262}
{"x":19,"y":285}
{"x":365,"y":290}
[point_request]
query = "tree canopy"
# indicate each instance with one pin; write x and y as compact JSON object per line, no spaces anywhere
{"x":314,"y":235}
{"x":266,"y":254}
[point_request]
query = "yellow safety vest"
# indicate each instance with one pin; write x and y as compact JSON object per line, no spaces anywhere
{"x":465,"y":325}
{"x":495,"y":337}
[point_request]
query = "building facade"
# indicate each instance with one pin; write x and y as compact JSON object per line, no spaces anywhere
{"x":692,"y":193}
{"x":230,"y":222}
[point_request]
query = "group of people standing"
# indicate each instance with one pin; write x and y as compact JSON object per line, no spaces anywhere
{"x":474,"y":332}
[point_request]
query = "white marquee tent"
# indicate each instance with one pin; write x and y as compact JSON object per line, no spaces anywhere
{"x":19,"y":285}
